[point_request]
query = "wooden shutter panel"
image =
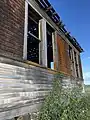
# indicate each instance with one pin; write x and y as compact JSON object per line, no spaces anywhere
{"x":67,"y":59}
{"x":80,"y":66}
{"x":63,"y":57}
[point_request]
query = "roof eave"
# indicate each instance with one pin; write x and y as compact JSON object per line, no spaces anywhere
{"x":56,"y":19}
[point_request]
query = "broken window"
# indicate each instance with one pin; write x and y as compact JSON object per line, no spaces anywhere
{"x":33,"y":35}
{"x":34,"y":42}
{"x":50,"y":63}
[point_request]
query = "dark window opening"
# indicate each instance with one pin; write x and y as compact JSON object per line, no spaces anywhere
{"x":33,"y":49}
{"x":49,"y":47}
{"x":33,"y":36}
{"x":70,"y":52}
{"x":16,"y":118}
{"x":33,"y":27}
{"x":76,"y":64}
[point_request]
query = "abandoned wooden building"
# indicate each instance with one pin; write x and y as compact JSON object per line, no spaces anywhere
{"x":34,"y":46}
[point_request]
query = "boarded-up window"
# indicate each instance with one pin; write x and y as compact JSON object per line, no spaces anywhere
{"x":63,"y":56}
{"x":80,"y":66}
{"x":76,"y":63}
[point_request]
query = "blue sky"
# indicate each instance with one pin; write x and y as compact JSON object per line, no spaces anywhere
{"x":76,"y":16}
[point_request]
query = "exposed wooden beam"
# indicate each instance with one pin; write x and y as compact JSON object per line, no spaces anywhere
{"x":49,"y":8}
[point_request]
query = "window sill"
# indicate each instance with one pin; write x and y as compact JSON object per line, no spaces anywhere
{"x":38,"y":65}
{"x":52,"y":71}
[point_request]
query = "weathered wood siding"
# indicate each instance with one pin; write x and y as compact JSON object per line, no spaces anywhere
{"x":12,"y":27}
{"x":22,"y":88}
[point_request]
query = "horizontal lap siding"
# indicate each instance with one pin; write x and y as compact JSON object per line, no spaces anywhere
{"x":12,"y":27}
{"x":22,"y":90}
{"x":63,"y":57}
{"x":23,"y":87}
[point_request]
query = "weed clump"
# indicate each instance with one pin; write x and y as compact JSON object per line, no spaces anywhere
{"x":62,"y":104}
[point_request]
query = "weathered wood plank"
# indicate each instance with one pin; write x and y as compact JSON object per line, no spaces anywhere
{"x":22,"y":86}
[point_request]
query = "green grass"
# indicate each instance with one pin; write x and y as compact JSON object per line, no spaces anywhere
{"x":87,"y":91}
{"x":87,"y":88}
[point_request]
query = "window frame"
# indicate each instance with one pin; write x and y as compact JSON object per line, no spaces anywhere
{"x":25,"y":49}
{"x":42,"y":59}
{"x":52,"y":31}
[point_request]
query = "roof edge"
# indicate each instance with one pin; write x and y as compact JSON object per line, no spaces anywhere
{"x":47,"y":7}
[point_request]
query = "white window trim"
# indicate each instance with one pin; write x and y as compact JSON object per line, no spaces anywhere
{"x":25,"y":32}
{"x":43,"y":39}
